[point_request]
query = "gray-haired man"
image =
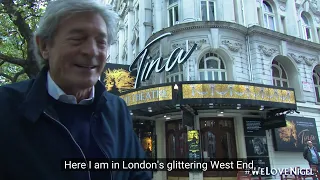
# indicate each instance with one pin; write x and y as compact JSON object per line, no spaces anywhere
{"x":310,"y":153}
{"x":66,"y":112}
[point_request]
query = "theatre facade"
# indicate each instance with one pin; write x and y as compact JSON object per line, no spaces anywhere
{"x":201,"y":90}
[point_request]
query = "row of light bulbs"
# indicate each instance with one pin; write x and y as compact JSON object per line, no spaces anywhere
{"x":210,"y":106}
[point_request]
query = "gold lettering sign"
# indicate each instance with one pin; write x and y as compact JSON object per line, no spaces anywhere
{"x":148,"y":95}
{"x":237,"y":91}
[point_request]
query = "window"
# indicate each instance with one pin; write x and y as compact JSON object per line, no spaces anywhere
{"x":211,"y":67}
{"x":268,"y":16}
{"x":207,"y":10}
{"x":173,"y":12}
{"x":316,"y":82}
{"x":306,"y":28}
{"x":176,"y":74}
{"x":279,"y":75}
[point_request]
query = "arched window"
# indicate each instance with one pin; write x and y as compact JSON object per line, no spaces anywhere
{"x":316,"y":82}
{"x":268,"y":16}
{"x":306,"y":27}
{"x":211,"y":67}
{"x":279,"y":75}
{"x":176,"y":74}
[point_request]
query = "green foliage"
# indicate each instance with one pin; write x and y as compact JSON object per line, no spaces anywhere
{"x":14,"y":35}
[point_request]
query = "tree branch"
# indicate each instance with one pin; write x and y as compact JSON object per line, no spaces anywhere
{"x":6,"y":76}
{"x":15,"y":78}
{"x":12,"y":60}
{"x":19,"y":21}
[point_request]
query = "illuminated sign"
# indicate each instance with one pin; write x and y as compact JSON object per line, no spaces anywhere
{"x":294,"y":136}
{"x":148,"y":95}
{"x":145,"y":68}
{"x":238,"y":91}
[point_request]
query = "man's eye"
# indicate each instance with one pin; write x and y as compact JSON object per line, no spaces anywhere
{"x":76,"y":39}
{"x":102,"y":42}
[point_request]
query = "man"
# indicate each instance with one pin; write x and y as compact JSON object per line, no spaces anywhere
{"x":310,"y":153}
{"x":66,"y":112}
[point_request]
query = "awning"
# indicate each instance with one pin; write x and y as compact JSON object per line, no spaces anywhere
{"x":162,"y":98}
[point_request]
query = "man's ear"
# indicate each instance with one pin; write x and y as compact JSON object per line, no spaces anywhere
{"x":43,"y":47}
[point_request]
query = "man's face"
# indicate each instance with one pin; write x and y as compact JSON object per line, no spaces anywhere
{"x":309,"y":144}
{"x":78,"y":52}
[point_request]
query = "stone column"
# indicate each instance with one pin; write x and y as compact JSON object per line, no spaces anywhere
{"x":142,"y":30}
{"x":250,"y":12}
{"x":121,"y":41}
{"x":292,"y":19}
{"x":157,"y":24}
{"x":228,"y":10}
{"x":130,"y":57}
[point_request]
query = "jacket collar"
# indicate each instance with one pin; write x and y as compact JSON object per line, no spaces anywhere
{"x":36,"y":101}
{"x":57,"y":93}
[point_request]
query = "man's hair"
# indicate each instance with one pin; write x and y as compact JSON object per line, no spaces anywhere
{"x":61,"y":9}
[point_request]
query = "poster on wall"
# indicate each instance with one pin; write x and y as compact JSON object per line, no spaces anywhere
{"x":193,"y":144}
{"x":256,"y":146}
{"x":253,"y":127}
{"x":117,"y":78}
{"x":294,"y":136}
{"x":261,"y":162}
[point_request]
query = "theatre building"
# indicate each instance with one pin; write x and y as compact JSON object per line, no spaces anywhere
{"x":219,"y":79}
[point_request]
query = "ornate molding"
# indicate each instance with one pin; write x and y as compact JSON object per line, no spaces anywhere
{"x":302,"y":59}
{"x":282,"y":5}
{"x":182,"y":45}
{"x":199,"y":43}
{"x":308,"y":61}
{"x":235,"y":46}
{"x":267,"y":51}
{"x":295,"y":58}
{"x":122,"y":9}
{"x":314,"y":6}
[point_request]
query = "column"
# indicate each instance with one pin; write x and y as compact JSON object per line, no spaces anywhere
{"x":250,"y":12}
{"x":161,"y":147}
{"x":121,"y":41}
{"x":228,"y":10}
{"x":147,"y":21}
{"x":239,"y":134}
{"x":292,"y":19}
{"x":142,"y":32}
{"x":157,"y":24}
{"x":113,"y":53}
{"x":196,"y":175}
{"x":130,"y":57}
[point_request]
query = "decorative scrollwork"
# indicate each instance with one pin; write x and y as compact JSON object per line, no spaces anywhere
{"x":300,"y":59}
{"x":235,"y":47}
{"x":310,"y":61}
{"x":267,"y":52}
{"x":199,"y":43}
{"x":295,"y":58}
{"x":182,"y":45}
{"x":314,"y":7}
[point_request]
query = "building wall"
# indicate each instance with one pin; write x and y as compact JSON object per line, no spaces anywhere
{"x":248,"y":54}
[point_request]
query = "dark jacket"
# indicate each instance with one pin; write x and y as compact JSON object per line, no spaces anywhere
{"x":307,"y":154}
{"x":33,"y":142}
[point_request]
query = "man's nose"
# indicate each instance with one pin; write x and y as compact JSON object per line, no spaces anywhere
{"x":90,"y":48}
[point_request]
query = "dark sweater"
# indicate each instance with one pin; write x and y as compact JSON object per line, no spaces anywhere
{"x":76,"y":118}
